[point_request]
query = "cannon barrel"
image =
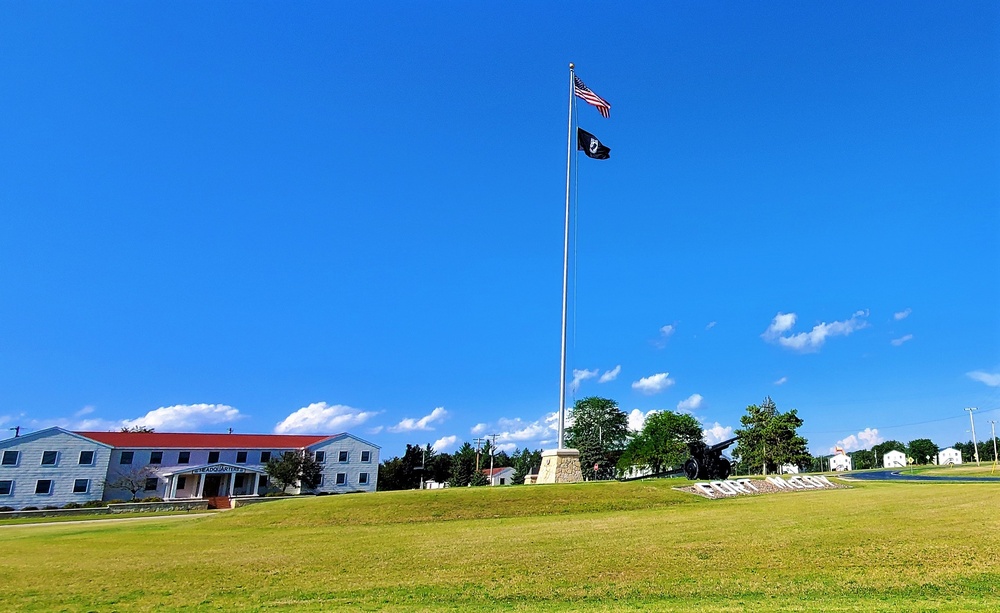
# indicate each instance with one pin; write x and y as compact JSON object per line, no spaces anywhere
{"x":707,"y":462}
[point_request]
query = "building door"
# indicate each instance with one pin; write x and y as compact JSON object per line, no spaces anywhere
{"x":212,"y":483}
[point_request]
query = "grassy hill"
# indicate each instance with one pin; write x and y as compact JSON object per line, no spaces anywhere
{"x":593,"y":546}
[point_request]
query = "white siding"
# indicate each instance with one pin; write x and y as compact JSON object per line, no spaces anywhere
{"x":63,"y":475}
{"x":352,"y":469}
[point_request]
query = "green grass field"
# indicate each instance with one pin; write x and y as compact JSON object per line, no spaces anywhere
{"x":593,"y":546}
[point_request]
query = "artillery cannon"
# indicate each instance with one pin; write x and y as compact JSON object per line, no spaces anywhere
{"x":707,"y":462}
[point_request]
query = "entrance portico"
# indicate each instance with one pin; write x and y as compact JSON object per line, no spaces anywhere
{"x":212,"y":481}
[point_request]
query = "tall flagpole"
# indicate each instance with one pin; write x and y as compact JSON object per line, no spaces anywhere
{"x":562,"y":363}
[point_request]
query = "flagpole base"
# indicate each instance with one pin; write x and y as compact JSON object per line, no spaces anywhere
{"x":560,"y":466}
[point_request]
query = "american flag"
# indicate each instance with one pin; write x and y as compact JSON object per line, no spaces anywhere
{"x":582,"y":91}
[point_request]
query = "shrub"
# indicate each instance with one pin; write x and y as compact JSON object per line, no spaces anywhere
{"x":2,"y":509}
{"x":72,"y":505}
{"x":91,"y":504}
{"x":152,"y":499}
{"x":49,"y":507}
{"x":30,"y":509}
{"x":116,"y":501}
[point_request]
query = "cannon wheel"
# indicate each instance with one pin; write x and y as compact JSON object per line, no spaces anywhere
{"x":691,"y":469}
{"x":723,"y":468}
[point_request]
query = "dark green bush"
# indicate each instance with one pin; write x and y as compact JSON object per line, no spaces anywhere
{"x":152,"y":499}
{"x":91,"y":504}
{"x":30,"y":509}
{"x":72,"y":505}
{"x":2,"y":509}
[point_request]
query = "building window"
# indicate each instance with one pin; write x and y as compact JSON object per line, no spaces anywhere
{"x":156,"y":457}
{"x":10,"y":458}
{"x":238,"y":480}
{"x":49,"y":458}
{"x":43,"y":486}
{"x":363,"y":478}
{"x":86,"y":458}
{"x":241,"y":457}
{"x":213,"y":457}
{"x":150,"y":484}
{"x":321,"y":456}
{"x":6,"y":487}
{"x":265,"y":457}
{"x":126,"y":457}
{"x":341,"y":478}
{"x":181,"y":482}
{"x":81,"y":486}
{"x":184,"y":457}
{"x":366,"y":456}
{"x":342,"y":457}
{"x":262,"y":482}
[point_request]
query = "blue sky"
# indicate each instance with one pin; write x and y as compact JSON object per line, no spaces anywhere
{"x":318,"y":217}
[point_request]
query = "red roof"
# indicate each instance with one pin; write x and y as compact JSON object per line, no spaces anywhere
{"x":496,"y":471}
{"x":188,"y":440}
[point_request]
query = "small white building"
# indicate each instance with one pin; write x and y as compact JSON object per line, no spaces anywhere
{"x":789,"y":469}
{"x":431,"y":484}
{"x":894,"y":459}
{"x":949,"y":456}
{"x":499,"y":476}
{"x":840,"y":462}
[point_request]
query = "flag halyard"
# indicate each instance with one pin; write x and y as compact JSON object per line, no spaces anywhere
{"x":587,"y":95}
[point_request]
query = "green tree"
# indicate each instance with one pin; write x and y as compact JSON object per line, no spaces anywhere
{"x":769,"y":439}
{"x":284,"y":470}
{"x":310,"y":472}
{"x":599,"y":432}
{"x":863,"y":459}
{"x":664,"y":442}
{"x":922,"y":450}
{"x":463,"y":466}
{"x":132,"y":481}
{"x":524,"y":462}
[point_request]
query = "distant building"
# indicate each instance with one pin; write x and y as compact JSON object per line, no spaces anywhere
{"x":431,"y":484}
{"x":894,"y":459}
{"x":499,"y":476}
{"x":949,"y":456}
{"x":840,"y":462}
{"x":789,"y":469}
{"x":54,"y":467}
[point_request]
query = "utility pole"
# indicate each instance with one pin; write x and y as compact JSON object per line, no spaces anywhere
{"x":479,"y":441}
{"x":17,"y":431}
{"x":993,"y":431}
{"x":423,"y":465}
{"x":493,"y":445}
{"x":975,"y":443}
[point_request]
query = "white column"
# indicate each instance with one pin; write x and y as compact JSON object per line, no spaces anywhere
{"x":256,"y":482}
{"x":173,"y":487}
{"x":232,"y":484}
{"x":201,"y":486}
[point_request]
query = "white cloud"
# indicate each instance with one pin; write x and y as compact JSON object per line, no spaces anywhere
{"x":896,"y":342}
{"x":781,"y":381}
{"x":636,"y":419}
{"x":479,"y":428}
{"x":185,"y":417}
{"x":710,"y":325}
{"x":717,"y":433}
{"x":376,"y":430}
{"x":814,"y":339}
{"x":320,"y":417}
{"x":610,"y":375}
{"x":902,"y":314}
{"x":580,"y":376}
{"x":862,"y":440}
{"x":690,"y":403}
{"x":653,"y":384}
{"x":424,"y":423}
{"x":781,"y":323}
{"x":665,"y":333}
{"x":445,"y":443}
{"x":87,"y":410}
{"x":990,"y":379}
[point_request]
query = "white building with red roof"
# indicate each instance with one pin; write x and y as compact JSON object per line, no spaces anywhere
{"x":53,"y":467}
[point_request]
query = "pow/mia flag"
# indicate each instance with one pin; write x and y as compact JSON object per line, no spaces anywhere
{"x":588,"y":143}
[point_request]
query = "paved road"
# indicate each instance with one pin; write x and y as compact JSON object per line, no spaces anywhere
{"x":901,"y":475}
